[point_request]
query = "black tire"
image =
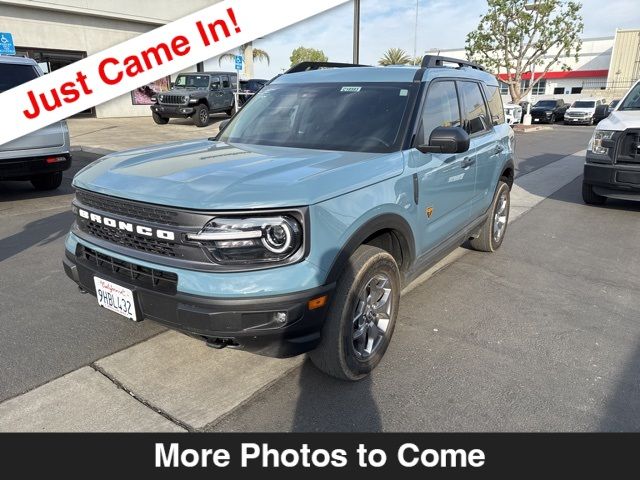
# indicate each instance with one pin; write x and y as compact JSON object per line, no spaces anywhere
{"x":552,"y":119}
{"x":590,"y":197}
{"x":201,"y":116}
{"x":487,"y":240}
{"x":337,"y":355}
{"x":231,"y":110}
{"x":50,"y":181}
{"x":592,"y":121}
{"x":160,"y":120}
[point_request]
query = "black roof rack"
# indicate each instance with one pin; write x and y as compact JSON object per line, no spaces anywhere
{"x":310,"y":66}
{"x":436,"y":61}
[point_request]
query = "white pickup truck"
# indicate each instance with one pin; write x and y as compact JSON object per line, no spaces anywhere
{"x":41,"y":156}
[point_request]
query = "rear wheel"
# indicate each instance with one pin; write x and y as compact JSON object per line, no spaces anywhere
{"x":201,"y":116}
{"x":160,"y":120}
{"x":495,"y":226}
{"x":590,"y":197}
{"x":362,"y":316}
{"x":50,"y":181}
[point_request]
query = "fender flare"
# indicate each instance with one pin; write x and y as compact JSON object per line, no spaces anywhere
{"x":385,"y":221}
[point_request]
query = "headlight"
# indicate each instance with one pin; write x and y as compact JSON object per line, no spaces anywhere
{"x":251,"y":240}
{"x":595,"y":144}
{"x":185,"y":98}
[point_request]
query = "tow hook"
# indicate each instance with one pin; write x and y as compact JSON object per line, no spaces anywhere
{"x":82,"y":290}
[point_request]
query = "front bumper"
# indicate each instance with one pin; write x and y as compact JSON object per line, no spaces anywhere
{"x":613,"y":180}
{"x":173,"y":110}
{"x":242,"y":323}
{"x":578,"y":120}
{"x":28,"y":167}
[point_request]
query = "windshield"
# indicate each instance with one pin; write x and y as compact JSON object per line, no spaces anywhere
{"x":192,"y":81}
{"x":355,"y":117}
{"x":632,"y":100}
{"x":12,"y":75}
{"x":546,"y":104}
{"x":580,"y":104}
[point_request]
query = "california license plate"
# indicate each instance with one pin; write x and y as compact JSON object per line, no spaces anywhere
{"x":115,"y":298}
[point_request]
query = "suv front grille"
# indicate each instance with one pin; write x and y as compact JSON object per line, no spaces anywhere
{"x":172,"y":99}
{"x":134,"y":210}
{"x":166,"y":282}
{"x":128,"y":239}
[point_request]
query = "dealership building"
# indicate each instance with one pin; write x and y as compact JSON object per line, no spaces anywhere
{"x":57,"y":33}
{"x":606,"y":68}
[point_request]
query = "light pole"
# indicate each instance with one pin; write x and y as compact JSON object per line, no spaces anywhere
{"x":356,"y":31}
{"x":530,"y":7}
{"x":415,"y":36}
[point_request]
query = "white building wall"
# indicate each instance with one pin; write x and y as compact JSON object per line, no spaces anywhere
{"x":91,"y":26}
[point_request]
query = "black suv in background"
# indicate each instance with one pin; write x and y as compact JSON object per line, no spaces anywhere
{"x":548,"y":111}
{"x":197,"y":95}
{"x":250,"y":88}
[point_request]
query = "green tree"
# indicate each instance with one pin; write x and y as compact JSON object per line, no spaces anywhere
{"x":395,"y":56}
{"x":303,"y":54}
{"x":516,"y":35}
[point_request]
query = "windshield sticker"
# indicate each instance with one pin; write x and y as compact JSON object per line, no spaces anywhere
{"x":351,"y":89}
{"x":404,"y":92}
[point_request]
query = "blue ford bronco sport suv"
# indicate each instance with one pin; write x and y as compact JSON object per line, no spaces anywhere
{"x":295,"y":229}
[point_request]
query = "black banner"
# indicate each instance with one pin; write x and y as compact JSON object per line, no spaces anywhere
{"x":450,"y":455}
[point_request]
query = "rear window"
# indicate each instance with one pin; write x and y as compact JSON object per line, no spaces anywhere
{"x":495,"y":104}
{"x":12,"y":75}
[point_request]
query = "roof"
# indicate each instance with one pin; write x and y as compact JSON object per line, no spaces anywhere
{"x":395,"y":74}
{"x":17,"y":60}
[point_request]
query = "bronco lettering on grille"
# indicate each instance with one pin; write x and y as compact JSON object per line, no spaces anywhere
{"x":127,"y":226}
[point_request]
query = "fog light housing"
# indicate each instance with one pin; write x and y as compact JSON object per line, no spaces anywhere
{"x":280,"y":317}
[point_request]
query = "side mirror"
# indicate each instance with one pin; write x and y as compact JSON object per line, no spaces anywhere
{"x":446,"y":140}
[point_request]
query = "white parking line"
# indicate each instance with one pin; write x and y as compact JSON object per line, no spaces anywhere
{"x":184,"y":380}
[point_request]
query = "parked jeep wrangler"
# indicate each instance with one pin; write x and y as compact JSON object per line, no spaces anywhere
{"x":196,"y":95}
{"x":295,"y":229}
{"x":612,"y":168}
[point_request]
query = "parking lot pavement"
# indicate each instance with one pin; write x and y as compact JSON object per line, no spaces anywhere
{"x":101,"y":135}
{"x":542,"y":335}
{"x":535,"y":150}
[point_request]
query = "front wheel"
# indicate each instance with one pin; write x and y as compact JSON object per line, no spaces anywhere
{"x":590,"y":197}
{"x":231,"y":110}
{"x":362,"y":316}
{"x":495,"y":226}
{"x":201,"y":116}
{"x":159,"y":119}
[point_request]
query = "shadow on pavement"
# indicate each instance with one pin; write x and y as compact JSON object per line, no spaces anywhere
{"x":39,"y":232}
{"x":327,"y":404}
{"x":622,"y":410}
{"x":568,"y":195}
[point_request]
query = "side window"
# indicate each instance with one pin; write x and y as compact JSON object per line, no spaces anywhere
{"x":225,"y":82}
{"x":495,"y":104}
{"x":474,"y":110}
{"x":215,"y":83}
{"x":441,"y":109}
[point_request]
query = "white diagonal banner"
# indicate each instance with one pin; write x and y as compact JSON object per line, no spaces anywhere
{"x":143,"y":59}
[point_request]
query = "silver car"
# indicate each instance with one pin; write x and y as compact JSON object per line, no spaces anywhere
{"x":41,"y":156}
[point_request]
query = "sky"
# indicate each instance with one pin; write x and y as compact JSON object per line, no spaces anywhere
{"x":442,"y":24}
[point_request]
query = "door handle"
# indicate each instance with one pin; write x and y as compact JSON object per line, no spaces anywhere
{"x":467,"y":162}
{"x":498,"y":149}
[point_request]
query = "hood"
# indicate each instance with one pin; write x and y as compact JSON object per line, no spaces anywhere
{"x":620,"y":120}
{"x":207,"y":175}
{"x":542,"y":109}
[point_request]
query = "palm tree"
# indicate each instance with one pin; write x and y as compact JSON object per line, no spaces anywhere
{"x":247,"y":49}
{"x":395,"y":56}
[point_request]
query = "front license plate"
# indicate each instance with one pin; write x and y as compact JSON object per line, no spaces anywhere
{"x":115,"y":298}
